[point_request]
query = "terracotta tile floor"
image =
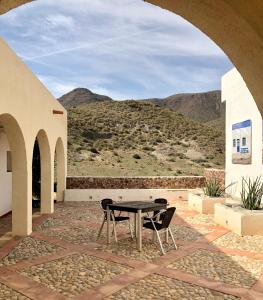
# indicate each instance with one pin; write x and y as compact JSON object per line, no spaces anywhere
{"x":62,"y":259}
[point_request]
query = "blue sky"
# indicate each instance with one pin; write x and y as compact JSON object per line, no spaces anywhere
{"x":127,"y":49}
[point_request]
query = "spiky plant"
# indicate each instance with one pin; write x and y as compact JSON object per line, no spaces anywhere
{"x":251,"y":193}
{"x":213,"y":188}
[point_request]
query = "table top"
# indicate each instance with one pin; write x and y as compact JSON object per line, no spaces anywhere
{"x":134,"y":206}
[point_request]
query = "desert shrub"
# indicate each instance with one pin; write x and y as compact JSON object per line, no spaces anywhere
{"x":172,"y":159}
{"x":80,"y":148}
{"x":147,"y":148}
{"x":182,"y":156}
{"x":251,"y":193}
{"x":94,"y":150}
{"x":136,"y":156}
{"x":199,"y":160}
{"x":178,"y":172}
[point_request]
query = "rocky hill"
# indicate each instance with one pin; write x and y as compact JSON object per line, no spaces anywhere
{"x":201,"y":107}
{"x":120,"y":138}
{"x":81,"y":96}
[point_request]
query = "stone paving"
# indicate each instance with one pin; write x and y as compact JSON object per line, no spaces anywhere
{"x":7,"y":293}
{"x":63,"y":259}
{"x":75,"y":273}
{"x":28,"y":248}
{"x":167,"y":289}
{"x":237,"y":270}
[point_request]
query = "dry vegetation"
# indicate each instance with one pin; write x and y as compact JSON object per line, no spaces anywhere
{"x":135,"y":138}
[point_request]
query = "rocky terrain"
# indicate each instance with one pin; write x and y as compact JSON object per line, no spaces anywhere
{"x":128,"y":138}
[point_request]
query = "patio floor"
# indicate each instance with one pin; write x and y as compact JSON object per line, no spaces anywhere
{"x":62,"y":260}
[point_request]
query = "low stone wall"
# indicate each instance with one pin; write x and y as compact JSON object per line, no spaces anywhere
{"x":126,"y":194}
{"x":215,"y":173}
{"x":160,"y":182}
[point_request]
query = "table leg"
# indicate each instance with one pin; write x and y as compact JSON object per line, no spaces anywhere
{"x":135,"y":225}
{"x":108,"y":225}
{"x":139,"y":230}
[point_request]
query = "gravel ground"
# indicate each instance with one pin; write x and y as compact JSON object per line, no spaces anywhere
{"x":9,"y":294}
{"x":127,"y":247}
{"x":28,"y":248}
{"x":74,"y":274}
{"x":232,"y":269}
{"x":77,"y":235}
{"x":201,"y":219}
{"x":185,"y":233}
{"x":247,"y":243}
{"x":156,"y":287}
{"x":50,"y":222}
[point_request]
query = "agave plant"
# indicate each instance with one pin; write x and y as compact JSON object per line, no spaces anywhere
{"x":214,"y":188}
{"x":251,"y":193}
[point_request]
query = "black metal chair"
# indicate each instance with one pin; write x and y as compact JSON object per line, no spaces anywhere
{"x":163,"y":226}
{"x":115,"y":219}
{"x":158,"y":200}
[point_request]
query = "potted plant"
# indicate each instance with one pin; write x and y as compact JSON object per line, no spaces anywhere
{"x":213,"y":193}
{"x":245,"y":218}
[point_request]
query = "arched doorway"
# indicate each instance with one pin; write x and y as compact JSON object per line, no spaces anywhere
{"x":43,"y":172}
{"x":60,"y":182}
{"x":17,"y":167}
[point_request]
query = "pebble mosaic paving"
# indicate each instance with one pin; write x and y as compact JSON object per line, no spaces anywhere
{"x":28,"y":248}
{"x":73,"y":274}
{"x":236,"y":270}
{"x":155,"y":287}
{"x":76,"y":265}
{"x":9,"y":294}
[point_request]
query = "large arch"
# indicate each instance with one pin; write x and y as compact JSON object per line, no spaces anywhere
{"x":61,"y":169}
{"x":235,"y":26}
{"x":47,"y":173}
{"x":21,"y":177}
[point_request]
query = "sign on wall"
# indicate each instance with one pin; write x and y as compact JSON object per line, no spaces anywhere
{"x":242,"y":143}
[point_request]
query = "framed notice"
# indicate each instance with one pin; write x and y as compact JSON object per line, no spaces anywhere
{"x":242,"y":143}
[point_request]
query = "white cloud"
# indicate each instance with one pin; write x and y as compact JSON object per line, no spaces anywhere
{"x":59,"y":20}
{"x":126,"y":48}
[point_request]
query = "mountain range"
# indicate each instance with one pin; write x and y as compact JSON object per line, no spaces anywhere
{"x":201,"y":107}
{"x":178,"y":135}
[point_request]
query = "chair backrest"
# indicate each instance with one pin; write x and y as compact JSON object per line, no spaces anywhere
{"x":167,"y":217}
{"x":105,"y":202}
{"x":161,"y":200}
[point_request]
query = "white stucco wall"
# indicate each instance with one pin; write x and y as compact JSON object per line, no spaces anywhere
{"x":5,"y":177}
{"x":125,"y":194}
{"x":240,"y":106}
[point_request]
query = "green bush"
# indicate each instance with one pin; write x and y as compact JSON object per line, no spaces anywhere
{"x":251,"y":193}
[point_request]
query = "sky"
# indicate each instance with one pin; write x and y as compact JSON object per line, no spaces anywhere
{"x":126,"y":49}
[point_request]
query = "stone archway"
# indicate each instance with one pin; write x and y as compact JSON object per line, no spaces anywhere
{"x":235,"y":26}
{"x":61,"y":169}
{"x":47,"y":173}
{"x":21,"y":177}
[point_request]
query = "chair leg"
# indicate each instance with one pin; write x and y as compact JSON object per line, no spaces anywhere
{"x":153,"y":236}
{"x":101,"y":227}
{"x":171,"y":234}
{"x":160,"y":242}
{"x":166,"y":236}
